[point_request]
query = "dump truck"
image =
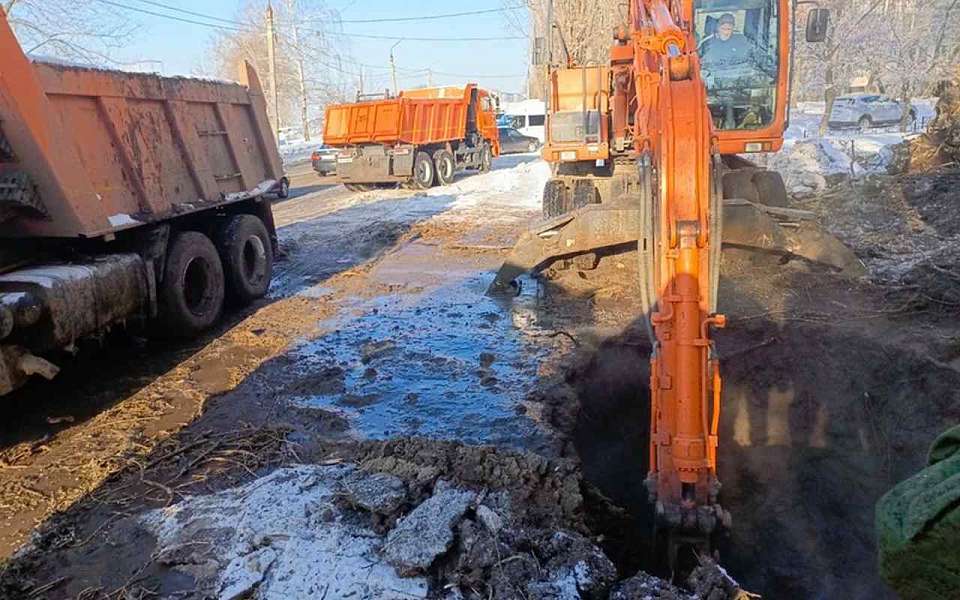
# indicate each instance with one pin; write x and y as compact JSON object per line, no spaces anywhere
{"x":419,"y":138}
{"x":126,"y":198}
{"x":647,"y":152}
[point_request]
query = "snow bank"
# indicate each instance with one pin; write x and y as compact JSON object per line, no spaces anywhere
{"x":297,"y":150}
{"x":807,"y":159}
{"x":511,"y":185}
{"x":281,"y":536}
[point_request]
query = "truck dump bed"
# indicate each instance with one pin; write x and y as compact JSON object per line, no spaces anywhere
{"x":86,"y":153}
{"x":417,"y":117}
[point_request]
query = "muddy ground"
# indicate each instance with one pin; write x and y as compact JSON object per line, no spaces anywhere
{"x":377,"y":385}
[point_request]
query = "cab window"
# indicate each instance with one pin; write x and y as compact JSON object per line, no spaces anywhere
{"x":739,"y":46}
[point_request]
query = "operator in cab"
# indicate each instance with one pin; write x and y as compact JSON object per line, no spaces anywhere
{"x":726,"y":48}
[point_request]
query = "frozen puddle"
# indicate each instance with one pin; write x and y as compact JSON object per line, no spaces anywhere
{"x":452,"y":365}
{"x":282,"y":536}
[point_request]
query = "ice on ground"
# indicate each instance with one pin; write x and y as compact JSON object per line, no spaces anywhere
{"x":281,"y":536}
{"x":427,"y":532}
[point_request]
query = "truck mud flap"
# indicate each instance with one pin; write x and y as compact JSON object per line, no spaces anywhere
{"x":745,"y":225}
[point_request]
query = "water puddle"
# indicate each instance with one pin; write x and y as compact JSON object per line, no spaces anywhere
{"x":449,"y":364}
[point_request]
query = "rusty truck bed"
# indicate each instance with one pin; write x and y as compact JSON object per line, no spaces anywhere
{"x":91,"y":152}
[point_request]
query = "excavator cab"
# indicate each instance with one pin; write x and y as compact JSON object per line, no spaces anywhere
{"x":738,"y":44}
{"x":744,"y":58}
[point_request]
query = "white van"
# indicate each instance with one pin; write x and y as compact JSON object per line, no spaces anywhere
{"x":528,"y":117}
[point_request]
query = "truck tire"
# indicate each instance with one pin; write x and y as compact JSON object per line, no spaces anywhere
{"x":423,"y":171}
{"x":445,"y":165}
{"x":555,"y":201}
{"x":486,"y":158}
{"x":739,"y":185}
{"x":247,"y":258}
{"x":770,"y":189}
{"x":191,"y":295}
{"x":584,"y":193}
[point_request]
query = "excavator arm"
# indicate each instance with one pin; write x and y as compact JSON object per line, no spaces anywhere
{"x":642,"y":164}
{"x":674,"y":137}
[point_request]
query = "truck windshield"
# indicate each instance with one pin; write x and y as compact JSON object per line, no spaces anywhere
{"x":738,"y":42}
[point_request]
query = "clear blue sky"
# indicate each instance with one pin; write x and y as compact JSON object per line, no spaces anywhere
{"x":182,"y":47}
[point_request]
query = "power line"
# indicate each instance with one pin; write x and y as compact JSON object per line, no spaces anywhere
{"x":189,"y":12}
{"x":238,"y":26}
{"x":246,"y":29}
{"x":171,"y":17}
{"x":433,"y":17}
{"x":379,"y":20}
{"x":420,"y":39}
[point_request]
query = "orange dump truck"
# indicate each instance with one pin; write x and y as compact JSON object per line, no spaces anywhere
{"x":125,"y":198}
{"x":419,"y":138}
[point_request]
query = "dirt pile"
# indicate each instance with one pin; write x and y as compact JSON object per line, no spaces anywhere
{"x":940,"y":144}
{"x":406,"y":518}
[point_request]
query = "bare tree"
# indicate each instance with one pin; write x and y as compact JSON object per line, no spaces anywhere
{"x":582,"y":32}
{"x":80,"y":30}
{"x":313,"y":65}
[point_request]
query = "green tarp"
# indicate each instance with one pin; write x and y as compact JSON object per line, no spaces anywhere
{"x":918,"y":527}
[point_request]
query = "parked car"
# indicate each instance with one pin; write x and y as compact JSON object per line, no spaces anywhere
{"x":867,"y":110}
{"x":512,"y":141}
{"x":324,"y":160}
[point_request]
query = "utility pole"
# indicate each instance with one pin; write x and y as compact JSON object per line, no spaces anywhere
{"x":430,"y":77}
{"x":393,"y":69}
{"x":272,"y":58}
{"x":301,"y":74}
{"x":360,"y":87}
{"x":549,"y":36}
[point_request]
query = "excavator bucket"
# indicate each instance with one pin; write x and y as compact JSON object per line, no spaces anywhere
{"x":782,"y":231}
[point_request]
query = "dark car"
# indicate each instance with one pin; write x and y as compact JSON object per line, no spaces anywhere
{"x":324,"y":160}
{"x":512,"y":141}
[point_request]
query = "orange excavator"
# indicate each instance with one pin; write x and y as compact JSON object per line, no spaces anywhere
{"x":647,"y":157}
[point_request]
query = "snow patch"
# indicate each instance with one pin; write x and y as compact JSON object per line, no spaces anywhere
{"x":281,"y":536}
{"x":123,"y":220}
{"x":519,"y":186}
{"x":293,"y":151}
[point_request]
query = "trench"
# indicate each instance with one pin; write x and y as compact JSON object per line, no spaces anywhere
{"x":817,"y":425}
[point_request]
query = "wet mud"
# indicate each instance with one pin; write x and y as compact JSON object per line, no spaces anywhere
{"x":385,"y":386}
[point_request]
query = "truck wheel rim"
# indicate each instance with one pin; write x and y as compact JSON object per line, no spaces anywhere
{"x":446,"y":169}
{"x":254,"y":260}
{"x":196,"y":286}
{"x":424,"y":173}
